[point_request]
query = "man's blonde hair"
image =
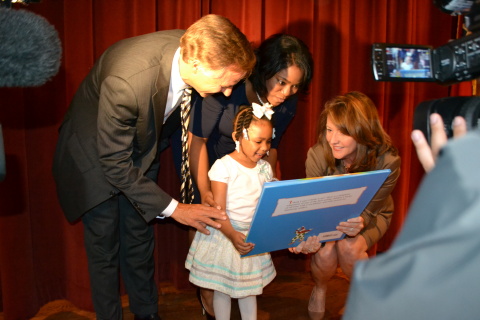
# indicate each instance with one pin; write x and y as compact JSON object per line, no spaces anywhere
{"x":215,"y":41}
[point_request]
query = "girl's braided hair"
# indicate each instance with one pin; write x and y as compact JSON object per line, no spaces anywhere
{"x":244,"y":118}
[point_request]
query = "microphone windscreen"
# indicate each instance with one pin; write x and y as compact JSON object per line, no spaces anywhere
{"x":30,"y":50}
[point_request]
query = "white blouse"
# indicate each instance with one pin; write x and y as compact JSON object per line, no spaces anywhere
{"x":244,"y":185}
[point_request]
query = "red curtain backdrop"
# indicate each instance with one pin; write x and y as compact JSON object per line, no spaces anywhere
{"x":42,"y":257}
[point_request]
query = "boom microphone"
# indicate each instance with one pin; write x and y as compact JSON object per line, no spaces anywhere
{"x":30,"y":50}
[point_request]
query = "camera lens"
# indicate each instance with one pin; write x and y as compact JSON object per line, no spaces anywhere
{"x":448,"y":109}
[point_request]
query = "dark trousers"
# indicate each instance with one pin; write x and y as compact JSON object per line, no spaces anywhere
{"x":117,"y":239}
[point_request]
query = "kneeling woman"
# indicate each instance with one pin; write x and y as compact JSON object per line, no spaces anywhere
{"x":351,"y":140}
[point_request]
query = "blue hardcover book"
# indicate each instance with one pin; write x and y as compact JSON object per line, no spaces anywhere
{"x":292,"y":210}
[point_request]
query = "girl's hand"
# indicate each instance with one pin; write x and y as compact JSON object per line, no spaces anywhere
{"x":352,"y":226}
{"x":207,"y":199}
{"x":238,"y":240}
{"x":307,"y":247}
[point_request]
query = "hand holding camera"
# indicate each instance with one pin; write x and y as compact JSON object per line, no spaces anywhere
{"x":428,"y":155}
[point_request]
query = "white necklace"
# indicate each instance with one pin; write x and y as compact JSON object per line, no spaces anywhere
{"x":259,"y":99}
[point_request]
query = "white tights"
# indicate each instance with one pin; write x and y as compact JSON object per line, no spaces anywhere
{"x":222,"y":305}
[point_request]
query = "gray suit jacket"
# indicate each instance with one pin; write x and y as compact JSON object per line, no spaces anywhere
{"x":109,"y":138}
{"x":431,"y":271}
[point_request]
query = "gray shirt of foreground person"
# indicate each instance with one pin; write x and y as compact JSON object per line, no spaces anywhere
{"x":432,"y":269}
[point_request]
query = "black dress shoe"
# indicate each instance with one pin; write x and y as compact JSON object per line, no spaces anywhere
{"x":153,"y":316}
{"x":207,"y":315}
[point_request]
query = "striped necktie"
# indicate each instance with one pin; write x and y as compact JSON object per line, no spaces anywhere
{"x":186,"y":188}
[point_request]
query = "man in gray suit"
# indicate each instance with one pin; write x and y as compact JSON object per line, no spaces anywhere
{"x":431,"y":270}
{"x":106,"y":162}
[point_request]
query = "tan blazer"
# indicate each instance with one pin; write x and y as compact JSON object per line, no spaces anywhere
{"x":378,"y":213}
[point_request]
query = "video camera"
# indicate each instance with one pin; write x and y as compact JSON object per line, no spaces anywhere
{"x":454,"y":62}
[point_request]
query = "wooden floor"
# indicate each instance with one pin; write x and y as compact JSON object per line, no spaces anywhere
{"x":285,"y":298}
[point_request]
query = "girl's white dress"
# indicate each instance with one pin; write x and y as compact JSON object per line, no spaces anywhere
{"x":213,"y":261}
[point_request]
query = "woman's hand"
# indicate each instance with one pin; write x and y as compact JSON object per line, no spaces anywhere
{"x":238,"y":241}
{"x":312,"y":245}
{"x":351,"y":227}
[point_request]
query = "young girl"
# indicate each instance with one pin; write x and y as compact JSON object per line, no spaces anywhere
{"x":236,"y":179}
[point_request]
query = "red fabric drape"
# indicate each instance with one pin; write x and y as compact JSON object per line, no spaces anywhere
{"x":42,"y":256}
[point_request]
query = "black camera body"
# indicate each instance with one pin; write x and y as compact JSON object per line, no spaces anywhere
{"x":456,"y":61}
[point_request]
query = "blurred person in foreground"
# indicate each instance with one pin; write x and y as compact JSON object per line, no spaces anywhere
{"x":431,"y":270}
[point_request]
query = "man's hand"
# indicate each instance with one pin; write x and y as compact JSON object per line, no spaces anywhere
{"x":198,"y":216}
{"x":428,"y":155}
